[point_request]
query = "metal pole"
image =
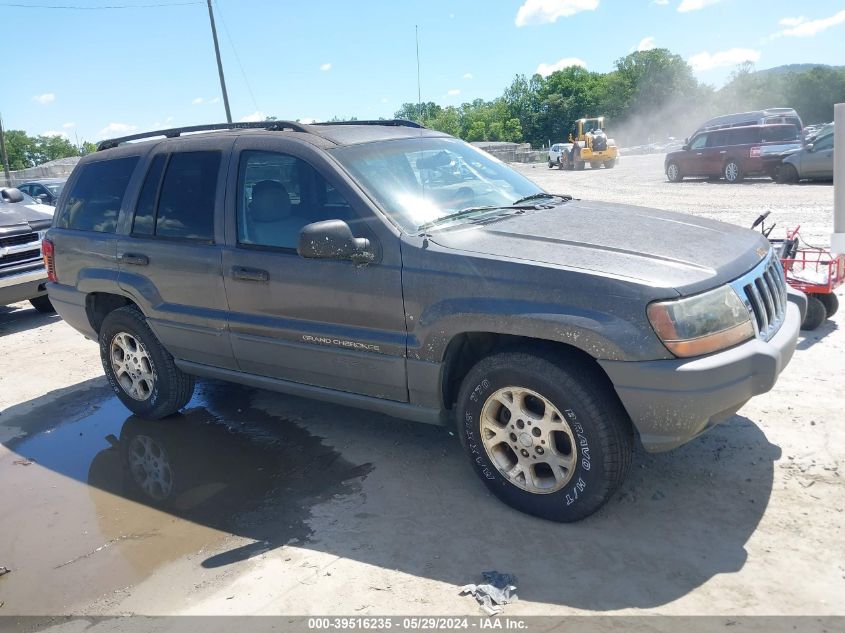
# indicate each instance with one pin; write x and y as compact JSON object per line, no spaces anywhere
{"x":837,"y":240}
{"x":219,"y":64}
{"x":5,"y":156}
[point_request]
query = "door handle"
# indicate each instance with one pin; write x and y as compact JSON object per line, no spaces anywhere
{"x":699,"y":153}
{"x":724,"y":151}
{"x":250,"y":274}
{"x":133,"y":258}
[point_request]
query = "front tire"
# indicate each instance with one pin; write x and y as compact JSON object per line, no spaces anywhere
{"x":546,"y":434}
{"x":610,"y":164}
{"x":787,"y":174}
{"x":140,"y":370}
{"x":43,"y":305}
{"x":673,"y":172}
{"x":732,"y":172}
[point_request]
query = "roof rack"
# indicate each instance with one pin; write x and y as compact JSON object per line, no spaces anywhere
{"x":387,"y":122}
{"x":178,"y":131}
{"x":275,"y":126}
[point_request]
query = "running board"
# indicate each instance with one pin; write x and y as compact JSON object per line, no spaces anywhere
{"x":388,"y":407}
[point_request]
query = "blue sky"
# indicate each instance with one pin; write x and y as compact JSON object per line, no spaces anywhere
{"x":92,"y":74}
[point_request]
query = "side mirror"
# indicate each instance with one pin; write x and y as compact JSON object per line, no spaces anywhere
{"x":685,"y":147}
{"x":333,"y":239}
{"x":810,"y":147}
{"x":12,"y":195}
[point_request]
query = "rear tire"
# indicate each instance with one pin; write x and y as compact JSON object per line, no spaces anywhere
{"x":43,"y":305}
{"x":732,"y":172}
{"x":816,"y":313}
{"x":830,"y":302}
{"x":140,"y":370}
{"x":610,"y":164}
{"x":545,"y":433}
{"x":595,"y":164}
{"x":551,"y":164}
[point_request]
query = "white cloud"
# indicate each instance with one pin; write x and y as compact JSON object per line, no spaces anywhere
{"x":802,"y":27}
{"x":646,"y":44}
{"x":695,"y":5}
{"x":198,"y":101}
{"x":384,"y":99}
{"x":214,"y":100}
{"x":68,"y":125}
{"x":546,"y":11}
{"x":258,"y":115}
{"x":44,"y":99}
{"x":307,"y":121}
{"x":454,"y":92}
{"x":54,"y":133}
{"x":707,"y":61}
{"x":325,"y":67}
{"x":547,"y":69}
{"x":467,"y":76}
{"x":117,"y":129}
{"x":662,"y":3}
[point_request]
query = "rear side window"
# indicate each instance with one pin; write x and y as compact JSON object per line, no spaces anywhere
{"x":780,"y":133}
{"x":94,"y":202}
{"x":179,"y":205}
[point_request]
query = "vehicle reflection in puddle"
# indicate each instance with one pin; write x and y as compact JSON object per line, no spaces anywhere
{"x":153,"y":491}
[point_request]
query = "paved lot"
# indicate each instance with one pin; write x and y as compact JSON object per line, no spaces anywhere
{"x":294,"y":507}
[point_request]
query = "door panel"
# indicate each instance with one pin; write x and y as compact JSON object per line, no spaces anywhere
{"x":326,"y":323}
{"x":170,"y":262}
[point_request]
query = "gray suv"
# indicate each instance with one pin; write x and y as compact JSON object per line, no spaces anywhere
{"x":390,"y":267}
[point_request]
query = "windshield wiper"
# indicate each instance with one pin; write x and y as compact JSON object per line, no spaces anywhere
{"x":457,"y":215}
{"x":542,"y":195}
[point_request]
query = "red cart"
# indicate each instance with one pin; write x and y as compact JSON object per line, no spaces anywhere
{"x":812,"y":270}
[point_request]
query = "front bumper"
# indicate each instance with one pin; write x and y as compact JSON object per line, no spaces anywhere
{"x":673,"y":401}
{"x":24,"y":285}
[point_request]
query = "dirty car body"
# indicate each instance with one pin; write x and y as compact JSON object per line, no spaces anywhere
{"x":23,"y":223}
{"x":411,"y":274}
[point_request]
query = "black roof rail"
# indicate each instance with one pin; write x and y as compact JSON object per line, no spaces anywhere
{"x":387,"y":122}
{"x":178,"y":131}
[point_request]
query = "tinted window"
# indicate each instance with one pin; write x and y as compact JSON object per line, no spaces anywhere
{"x":145,"y":212}
{"x":186,"y":204}
{"x":699,"y":141}
{"x":780,"y":133}
{"x":94,"y":202}
{"x":279,"y":194}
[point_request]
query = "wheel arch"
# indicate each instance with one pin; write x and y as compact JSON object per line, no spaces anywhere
{"x":99,"y":304}
{"x":466,"y":349}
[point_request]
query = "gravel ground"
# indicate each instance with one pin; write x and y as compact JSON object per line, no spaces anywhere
{"x":297,"y":507}
{"x":640,"y":180}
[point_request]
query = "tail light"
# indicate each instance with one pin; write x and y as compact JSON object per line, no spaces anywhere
{"x":755,"y":152}
{"x":48,"y":251}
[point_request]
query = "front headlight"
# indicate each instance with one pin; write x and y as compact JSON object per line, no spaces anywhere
{"x":703,"y":323}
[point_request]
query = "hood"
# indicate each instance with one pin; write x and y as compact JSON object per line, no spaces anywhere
{"x":25,"y":217}
{"x":657,"y":248}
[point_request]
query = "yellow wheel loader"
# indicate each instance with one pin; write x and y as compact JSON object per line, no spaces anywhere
{"x":590,"y":144}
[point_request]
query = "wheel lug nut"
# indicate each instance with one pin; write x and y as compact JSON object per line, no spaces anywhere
{"x":524,"y":452}
{"x":513,"y":437}
{"x":539,"y":450}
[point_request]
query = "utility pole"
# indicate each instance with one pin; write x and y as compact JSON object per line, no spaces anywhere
{"x":219,"y":64}
{"x":4,"y":155}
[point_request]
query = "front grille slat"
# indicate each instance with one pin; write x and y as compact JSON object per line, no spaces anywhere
{"x":765,"y":293}
{"x":16,"y":258}
{"x":17,"y":240}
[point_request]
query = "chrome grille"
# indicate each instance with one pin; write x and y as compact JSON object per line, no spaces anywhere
{"x":764,"y":292}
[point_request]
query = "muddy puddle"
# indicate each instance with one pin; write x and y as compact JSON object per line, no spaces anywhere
{"x":93,"y":500}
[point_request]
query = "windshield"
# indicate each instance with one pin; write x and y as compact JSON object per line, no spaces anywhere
{"x":417,"y":181}
{"x":55,"y":188}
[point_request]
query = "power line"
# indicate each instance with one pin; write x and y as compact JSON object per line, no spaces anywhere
{"x":18,"y":5}
{"x":237,"y":57}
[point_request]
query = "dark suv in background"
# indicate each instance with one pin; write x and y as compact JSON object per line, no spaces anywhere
{"x":394,"y":268}
{"x":733,"y":153}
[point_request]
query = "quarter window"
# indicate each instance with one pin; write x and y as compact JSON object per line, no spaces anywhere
{"x":95,"y":200}
{"x":698,"y":142}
